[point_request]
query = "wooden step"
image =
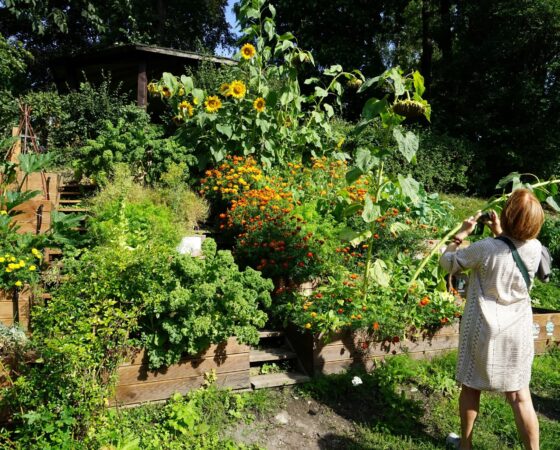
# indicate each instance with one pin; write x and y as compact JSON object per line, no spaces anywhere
{"x":69,"y":201}
{"x":271,"y":354}
{"x":270,"y":333}
{"x":277,"y":379}
{"x":72,"y":210}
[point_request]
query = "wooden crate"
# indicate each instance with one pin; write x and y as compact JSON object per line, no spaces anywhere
{"x":15,"y":307}
{"x":356,"y":350}
{"x":136,"y":384}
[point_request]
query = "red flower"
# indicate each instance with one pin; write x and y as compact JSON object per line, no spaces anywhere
{"x":375,"y":326}
{"x":340,"y":311}
{"x":310,"y":255}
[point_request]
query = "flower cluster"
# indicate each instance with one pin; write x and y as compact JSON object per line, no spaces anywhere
{"x":17,"y":270}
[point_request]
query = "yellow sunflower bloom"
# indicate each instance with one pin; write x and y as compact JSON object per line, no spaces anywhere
{"x":237,"y":89}
{"x":212,"y":104}
{"x":248,"y":51}
{"x":224,"y":90}
{"x":186,"y":107}
{"x":259,"y":104}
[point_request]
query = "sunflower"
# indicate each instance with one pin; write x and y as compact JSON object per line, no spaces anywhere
{"x":248,"y":51}
{"x":185,"y":106}
{"x":212,"y":104}
{"x":152,"y":88}
{"x":237,"y":89}
{"x":224,"y":90}
{"x":166,"y":91}
{"x":259,"y":104}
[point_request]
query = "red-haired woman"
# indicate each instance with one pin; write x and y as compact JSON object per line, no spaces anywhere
{"x":496,"y":342}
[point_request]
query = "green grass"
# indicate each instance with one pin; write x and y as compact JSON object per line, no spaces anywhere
{"x":389,"y":416}
{"x":463,"y":207}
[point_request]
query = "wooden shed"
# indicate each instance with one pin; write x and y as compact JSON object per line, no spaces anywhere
{"x":132,"y":65}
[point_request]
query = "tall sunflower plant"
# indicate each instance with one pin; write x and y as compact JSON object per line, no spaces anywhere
{"x":263,"y":110}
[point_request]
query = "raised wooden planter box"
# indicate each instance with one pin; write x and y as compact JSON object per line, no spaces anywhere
{"x":136,"y":384}
{"x":355,"y":349}
{"x":15,"y":307}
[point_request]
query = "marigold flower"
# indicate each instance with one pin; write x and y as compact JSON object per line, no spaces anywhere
{"x":32,"y":268}
{"x":248,"y":51}
{"x":375,"y":326}
{"x":36,"y":253}
{"x":237,"y":89}
{"x":18,"y":283}
{"x":212,"y":104}
{"x":259,"y":104}
{"x":424,"y":301}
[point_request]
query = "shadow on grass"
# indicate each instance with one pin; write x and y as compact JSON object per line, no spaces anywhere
{"x":546,"y":406}
{"x":371,"y":405}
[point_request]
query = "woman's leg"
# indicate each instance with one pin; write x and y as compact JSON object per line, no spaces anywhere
{"x":469,"y":403}
{"x":525,"y":417}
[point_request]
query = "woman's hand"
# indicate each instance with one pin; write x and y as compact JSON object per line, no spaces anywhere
{"x":468,"y":226}
{"x":495,"y":225}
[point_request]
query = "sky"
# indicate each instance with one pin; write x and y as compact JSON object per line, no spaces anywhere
{"x":230,"y":17}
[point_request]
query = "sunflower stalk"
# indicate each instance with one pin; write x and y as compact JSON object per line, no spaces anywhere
{"x":454,"y":230}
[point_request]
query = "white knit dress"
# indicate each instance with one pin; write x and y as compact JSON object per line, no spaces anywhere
{"x":496,"y":342}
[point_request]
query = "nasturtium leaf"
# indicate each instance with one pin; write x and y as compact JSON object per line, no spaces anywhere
{"x":407,"y":143}
{"x":409,"y":188}
{"x":378,"y":273}
{"x":371,"y":210}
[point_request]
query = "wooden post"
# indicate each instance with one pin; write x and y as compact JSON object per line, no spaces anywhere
{"x":16,"y":148}
{"x":142,"y":92}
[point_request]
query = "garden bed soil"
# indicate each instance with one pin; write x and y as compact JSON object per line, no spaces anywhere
{"x":137,"y":384}
{"x":356,"y":349}
{"x":15,"y":308}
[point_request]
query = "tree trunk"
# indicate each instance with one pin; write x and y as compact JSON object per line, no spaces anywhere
{"x":427,"y":45}
{"x":445,"y":33}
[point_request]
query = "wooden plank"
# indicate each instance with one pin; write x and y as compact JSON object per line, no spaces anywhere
{"x":186,"y":369}
{"x":271,"y":354}
{"x":278,"y":379}
{"x":230,"y":347}
{"x":543,"y":345}
{"x":147,"y":392}
{"x":343,"y":351}
{"x":6,"y":309}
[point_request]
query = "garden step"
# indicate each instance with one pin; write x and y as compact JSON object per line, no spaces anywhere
{"x":277,"y":379}
{"x":70,"y":201}
{"x":271,"y":354}
{"x":67,"y":210}
{"x":270,"y":333}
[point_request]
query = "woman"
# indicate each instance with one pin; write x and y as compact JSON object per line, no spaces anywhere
{"x":496,"y":343}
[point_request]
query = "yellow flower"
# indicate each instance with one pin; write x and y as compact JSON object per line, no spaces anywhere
{"x":152,"y":88}
{"x":259,"y":104}
{"x":36,"y":253}
{"x":13,"y":266}
{"x":224,"y":90}
{"x":195,"y":101}
{"x":21,"y":263}
{"x":12,"y":258}
{"x":212,"y":104}
{"x":248,"y":51}
{"x":32,"y":268}
{"x":18,"y":283}
{"x":2,"y":259}
{"x":181,"y":92}
{"x":3,"y":213}
{"x":308,"y":325}
{"x":8,"y":270}
{"x":186,"y":107}
{"x":237,"y":89}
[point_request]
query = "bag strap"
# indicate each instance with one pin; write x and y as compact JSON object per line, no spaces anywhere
{"x":520,"y":264}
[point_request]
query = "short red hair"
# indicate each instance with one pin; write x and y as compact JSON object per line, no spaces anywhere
{"x":522,"y":216}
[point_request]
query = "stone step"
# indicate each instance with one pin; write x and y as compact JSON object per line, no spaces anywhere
{"x":271,"y":354}
{"x":277,"y":379}
{"x":270,"y":333}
